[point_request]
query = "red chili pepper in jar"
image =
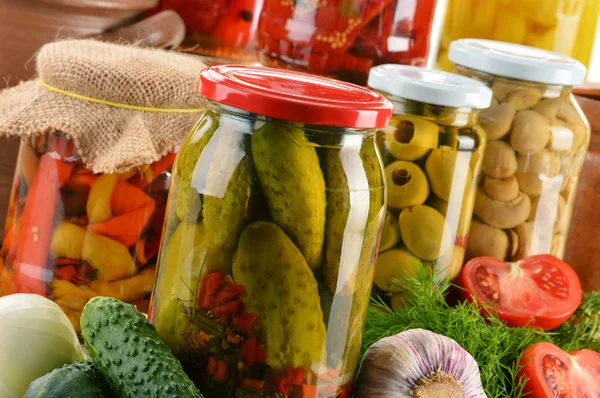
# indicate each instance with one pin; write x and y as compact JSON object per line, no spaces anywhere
{"x":31,"y":275}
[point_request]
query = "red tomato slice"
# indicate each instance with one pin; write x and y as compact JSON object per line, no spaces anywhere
{"x":551,"y":372}
{"x":539,"y":291}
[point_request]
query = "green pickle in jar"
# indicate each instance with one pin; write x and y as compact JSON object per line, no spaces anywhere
{"x":276,"y":207}
{"x":432,"y":151}
{"x":538,"y":138}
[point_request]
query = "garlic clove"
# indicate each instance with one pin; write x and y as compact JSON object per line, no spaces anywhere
{"x":418,"y":363}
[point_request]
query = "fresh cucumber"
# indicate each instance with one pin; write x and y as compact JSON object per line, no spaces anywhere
{"x":77,"y":380}
{"x":129,"y":353}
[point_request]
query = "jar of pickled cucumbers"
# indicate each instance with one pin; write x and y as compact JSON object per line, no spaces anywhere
{"x":99,"y":133}
{"x":432,"y":152}
{"x":345,"y":38}
{"x":567,"y":27}
{"x":273,"y":219}
{"x":537,"y":140}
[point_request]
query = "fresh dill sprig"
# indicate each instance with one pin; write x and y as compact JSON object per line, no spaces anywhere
{"x":495,"y":347}
{"x":582,"y":330}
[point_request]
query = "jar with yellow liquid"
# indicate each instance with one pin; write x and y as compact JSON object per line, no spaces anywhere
{"x":564,"y":26}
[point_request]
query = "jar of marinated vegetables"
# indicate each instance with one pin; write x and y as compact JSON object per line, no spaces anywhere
{"x":99,"y":133}
{"x":220,"y":29}
{"x":537,"y":140}
{"x":432,"y":152}
{"x":344,"y":38}
{"x":273,"y":220}
{"x":567,"y":27}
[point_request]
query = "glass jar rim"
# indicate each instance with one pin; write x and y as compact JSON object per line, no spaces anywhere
{"x":517,"y":62}
{"x":295,"y":96}
{"x":430,"y":86}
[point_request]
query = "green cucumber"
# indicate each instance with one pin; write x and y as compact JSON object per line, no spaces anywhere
{"x":129,"y":353}
{"x":76,"y":380}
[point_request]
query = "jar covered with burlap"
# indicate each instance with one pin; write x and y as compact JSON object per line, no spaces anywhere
{"x":99,"y":132}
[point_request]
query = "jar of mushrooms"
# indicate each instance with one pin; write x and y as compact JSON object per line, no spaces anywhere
{"x":537,"y":140}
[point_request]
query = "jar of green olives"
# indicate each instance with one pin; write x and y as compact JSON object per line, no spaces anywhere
{"x":276,"y":207}
{"x":538,"y":138}
{"x":432,"y":152}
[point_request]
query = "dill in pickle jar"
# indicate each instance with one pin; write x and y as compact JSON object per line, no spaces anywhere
{"x":538,"y":138}
{"x":432,"y":152}
{"x":275,"y":210}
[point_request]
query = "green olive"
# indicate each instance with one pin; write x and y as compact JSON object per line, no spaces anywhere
{"x":448,"y":267}
{"x":395,"y":264}
{"x":425,"y":232}
{"x":448,"y":169}
{"x":411,"y":137}
{"x":390,"y":234}
{"x":407,"y":185}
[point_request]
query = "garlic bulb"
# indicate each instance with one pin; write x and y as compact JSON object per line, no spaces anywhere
{"x":418,"y":363}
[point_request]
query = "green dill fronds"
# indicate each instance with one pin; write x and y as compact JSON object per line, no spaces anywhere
{"x":495,"y":347}
{"x":582,"y":330}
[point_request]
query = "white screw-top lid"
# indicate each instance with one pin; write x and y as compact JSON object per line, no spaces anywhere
{"x":517,"y":62}
{"x":430,"y":86}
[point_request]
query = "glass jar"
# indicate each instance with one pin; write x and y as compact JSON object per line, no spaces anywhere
{"x":344,"y":38}
{"x":432,"y":152}
{"x":564,"y":26}
{"x":583,"y":253}
{"x":220,"y":29}
{"x":72,"y":235}
{"x":275,"y":211}
{"x":538,"y":137}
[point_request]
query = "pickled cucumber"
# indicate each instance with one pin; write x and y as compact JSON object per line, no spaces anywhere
{"x":293,"y":183}
{"x":281,"y":289}
{"x":178,"y":274}
{"x":188,"y":202}
{"x":224,"y":217}
{"x":354,"y":178}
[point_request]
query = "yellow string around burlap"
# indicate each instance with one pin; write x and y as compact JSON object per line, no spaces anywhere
{"x":116,"y":104}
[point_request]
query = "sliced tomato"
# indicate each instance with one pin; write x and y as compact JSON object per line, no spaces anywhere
{"x":538,"y":291}
{"x":551,"y":372}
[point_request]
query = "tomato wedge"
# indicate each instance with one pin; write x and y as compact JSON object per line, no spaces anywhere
{"x":538,"y":291}
{"x":551,"y":372}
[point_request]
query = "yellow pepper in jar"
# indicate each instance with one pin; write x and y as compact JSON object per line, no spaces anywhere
{"x":564,"y":26}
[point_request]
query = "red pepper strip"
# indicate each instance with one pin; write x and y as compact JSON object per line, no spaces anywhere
{"x":83,"y":179}
{"x":309,"y":391}
{"x":346,"y":392}
{"x":251,"y":351}
{"x":222,"y":373}
{"x":295,"y":376}
{"x":244,"y":322}
{"x":236,"y":26}
{"x":125,"y":228}
{"x":209,"y":287}
{"x":36,"y":224}
{"x":224,"y":311}
{"x":61,"y":145}
{"x":228,"y":293}
{"x":253,"y":384}
{"x":157,"y":168}
{"x":211,"y":368}
{"x":233,"y":339}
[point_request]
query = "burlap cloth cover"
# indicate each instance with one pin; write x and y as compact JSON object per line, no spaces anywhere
{"x":109,"y":138}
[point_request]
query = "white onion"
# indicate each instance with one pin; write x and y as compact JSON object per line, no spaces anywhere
{"x":36,"y":337}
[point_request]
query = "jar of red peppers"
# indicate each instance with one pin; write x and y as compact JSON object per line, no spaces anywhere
{"x":344,"y":38}
{"x":275,"y":211}
{"x":220,"y":29}
{"x":90,"y":188}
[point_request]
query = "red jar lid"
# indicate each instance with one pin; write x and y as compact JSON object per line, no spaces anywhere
{"x":295,"y":96}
